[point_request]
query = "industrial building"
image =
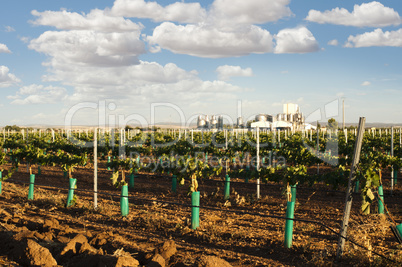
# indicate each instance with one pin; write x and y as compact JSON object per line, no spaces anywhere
{"x":210,"y":122}
{"x":291,"y":118}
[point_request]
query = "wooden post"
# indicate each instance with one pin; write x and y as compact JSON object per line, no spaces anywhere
{"x":349,"y":197}
{"x":226,"y":139}
{"x":95,"y":169}
{"x":258,"y":160}
{"x":318,"y":148}
{"x":392,"y":154}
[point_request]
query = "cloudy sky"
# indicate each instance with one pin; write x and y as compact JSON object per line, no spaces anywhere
{"x":144,"y":61}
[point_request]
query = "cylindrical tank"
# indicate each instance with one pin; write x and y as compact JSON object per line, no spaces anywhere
{"x":239,"y":121}
{"x":269,"y":117}
{"x":260,"y":117}
{"x":201,"y":123}
{"x":214,"y":123}
{"x":220,"y":122}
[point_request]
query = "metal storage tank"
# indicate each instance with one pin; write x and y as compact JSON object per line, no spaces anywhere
{"x":220,"y":122}
{"x":261,"y":117}
{"x":269,"y":117}
{"x":213,"y":122}
{"x":239,"y":121}
{"x":201,"y":123}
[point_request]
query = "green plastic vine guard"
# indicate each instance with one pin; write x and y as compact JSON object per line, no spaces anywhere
{"x":108,"y":161}
{"x":124,"y":201}
{"x":357,"y":185}
{"x":174,"y":183}
{"x":131,"y":180}
{"x":399,"y":228}
{"x":31,"y":187}
{"x":395,"y":176}
{"x":70,"y":195}
{"x":293,"y":192}
{"x":381,"y":200}
{"x":290,"y":210}
{"x":39,"y":170}
{"x":397,"y":231}
{"x":227,"y":188}
{"x":195,"y":210}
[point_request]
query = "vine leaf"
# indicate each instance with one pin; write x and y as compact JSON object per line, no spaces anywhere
{"x":115,"y":177}
{"x":366,"y":208}
{"x":370,"y":194}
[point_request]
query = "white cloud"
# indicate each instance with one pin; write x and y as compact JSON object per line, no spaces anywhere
{"x":24,"y":39}
{"x":226,"y":29}
{"x":96,"y":20}
{"x":89,"y":48}
{"x":333,"y":42}
{"x":38,"y":94}
{"x":297,"y":40}
{"x":221,"y":12}
{"x":376,"y":38}
{"x":143,"y":83}
{"x":373,"y":14}
{"x":9,"y":29}
{"x":206,"y":41}
{"x":7,"y":79}
{"x":4,"y":48}
{"x":366,"y":83}
{"x":99,"y":63}
{"x":226,"y":72}
{"x":240,"y":12}
{"x":179,"y":11}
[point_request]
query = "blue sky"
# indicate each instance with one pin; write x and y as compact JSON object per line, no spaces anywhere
{"x":67,"y":58}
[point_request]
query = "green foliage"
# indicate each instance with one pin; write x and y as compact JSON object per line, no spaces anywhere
{"x":370,"y":180}
{"x":332,"y":124}
{"x":208,"y":156}
{"x":12,"y":128}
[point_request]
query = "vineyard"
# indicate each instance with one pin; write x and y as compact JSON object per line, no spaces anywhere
{"x":193,"y":198}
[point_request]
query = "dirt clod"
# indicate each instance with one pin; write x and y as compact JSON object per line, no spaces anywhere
{"x":50,"y":224}
{"x":211,"y":261}
{"x":167,"y":250}
{"x":157,"y":261}
{"x":36,"y":255}
{"x":24,"y":235}
{"x":126,"y":260}
{"x":72,"y":245}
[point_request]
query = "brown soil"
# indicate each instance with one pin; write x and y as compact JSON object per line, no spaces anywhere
{"x":44,"y":232}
